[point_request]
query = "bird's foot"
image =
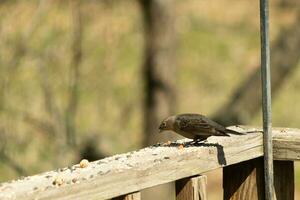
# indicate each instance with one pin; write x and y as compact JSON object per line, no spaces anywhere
{"x":198,"y":141}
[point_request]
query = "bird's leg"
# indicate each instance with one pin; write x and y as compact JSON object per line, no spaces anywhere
{"x":199,"y":140}
{"x":203,"y":140}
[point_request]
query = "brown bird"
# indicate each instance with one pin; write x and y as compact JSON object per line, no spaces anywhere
{"x":195,"y":126}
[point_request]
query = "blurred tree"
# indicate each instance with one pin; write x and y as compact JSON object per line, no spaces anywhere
{"x":7,"y":159}
{"x":159,"y":65}
{"x":71,"y":110}
{"x":246,"y":100}
{"x":12,"y":164}
{"x":61,"y":120}
{"x":7,"y":77}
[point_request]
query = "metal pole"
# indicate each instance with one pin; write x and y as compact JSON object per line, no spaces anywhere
{"x":266,"y":99}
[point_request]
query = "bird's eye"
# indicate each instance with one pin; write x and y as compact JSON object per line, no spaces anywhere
{"x":163,"y":125}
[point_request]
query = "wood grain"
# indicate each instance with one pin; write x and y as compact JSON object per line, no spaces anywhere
{"x":284,"y":180}
{"x":193,"y":188}
{"x":126,"y":173}
{"x":245,"y":180}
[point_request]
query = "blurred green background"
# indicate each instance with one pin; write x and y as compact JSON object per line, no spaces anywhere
{"x":217,"y":49}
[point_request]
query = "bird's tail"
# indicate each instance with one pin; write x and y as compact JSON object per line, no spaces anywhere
{"x":234,"y":132}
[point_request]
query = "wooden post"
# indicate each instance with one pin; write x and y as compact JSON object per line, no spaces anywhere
{"x":191,"y":188}
{"x":245,"y":180}
{"x":132,"y":196}
{"x":284,"y":180}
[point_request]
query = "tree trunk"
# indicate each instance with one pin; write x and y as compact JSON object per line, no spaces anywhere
{"x":71,"y":110}
{"x":159,"y":66}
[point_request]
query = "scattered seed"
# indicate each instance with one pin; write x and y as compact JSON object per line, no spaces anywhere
{"x":100,"y":172}
{"x":129,"y":165}
{"x":74,"y":180}
{"x":58,"y":181}
{"x":84,"y":163}
{"x":100,"y":162}
{"x":48,"y":187}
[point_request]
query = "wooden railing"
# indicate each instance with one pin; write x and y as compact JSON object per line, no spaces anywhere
{"x":123,"y":176}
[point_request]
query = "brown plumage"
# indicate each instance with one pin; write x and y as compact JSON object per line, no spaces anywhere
{"x":194,"y":126}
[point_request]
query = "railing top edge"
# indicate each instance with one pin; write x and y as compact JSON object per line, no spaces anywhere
{"x":158,"y":164}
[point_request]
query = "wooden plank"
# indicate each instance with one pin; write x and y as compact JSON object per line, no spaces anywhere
{"x":245,"y":180}
{"x":155,"y":165}
{"x":193,"y":188}
{"x":132,"y":196}
{"x":284,"y":180}
{"x":286,"y":144}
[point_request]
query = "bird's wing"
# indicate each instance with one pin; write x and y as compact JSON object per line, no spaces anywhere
{"x":219,"y":127}
{"x":199,"y":125}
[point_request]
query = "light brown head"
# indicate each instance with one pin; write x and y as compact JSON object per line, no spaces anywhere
{"x":167,"y":124}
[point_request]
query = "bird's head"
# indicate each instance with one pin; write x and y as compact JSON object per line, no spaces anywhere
{"x":167,"y":124}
